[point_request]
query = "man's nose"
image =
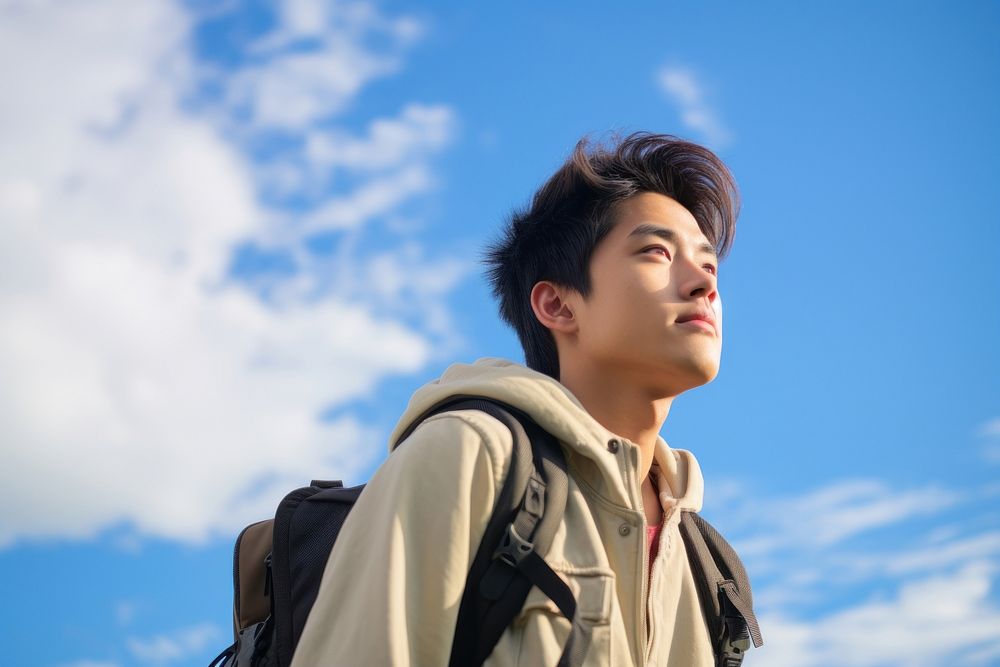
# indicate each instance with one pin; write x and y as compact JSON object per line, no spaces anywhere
{"x":699,"y":280}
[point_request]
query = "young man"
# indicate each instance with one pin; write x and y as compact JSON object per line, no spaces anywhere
{"x":610,"y":280}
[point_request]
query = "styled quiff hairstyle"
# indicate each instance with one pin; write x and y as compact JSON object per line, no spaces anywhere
{"x":574,"y":210}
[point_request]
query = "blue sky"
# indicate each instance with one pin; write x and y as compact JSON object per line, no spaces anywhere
{"x":237,"y":236}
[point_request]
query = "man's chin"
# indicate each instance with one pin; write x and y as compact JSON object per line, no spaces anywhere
{"x":674,"y":381}
{"x":698,"y":374}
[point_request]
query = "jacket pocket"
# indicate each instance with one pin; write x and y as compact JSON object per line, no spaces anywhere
{"x":540,"y":631}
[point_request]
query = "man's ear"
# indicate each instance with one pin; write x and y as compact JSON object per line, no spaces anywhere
{"x":553,"y":307}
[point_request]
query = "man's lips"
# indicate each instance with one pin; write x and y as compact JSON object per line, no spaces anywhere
{"x":698,"y":323}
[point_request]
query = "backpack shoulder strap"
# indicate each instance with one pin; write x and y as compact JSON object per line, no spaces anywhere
{"x":723,"y":588}
{"x":509,"y":560}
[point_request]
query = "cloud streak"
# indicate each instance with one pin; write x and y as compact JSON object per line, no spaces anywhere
{"x":861,"y":574}
{"x":687,"y":92}
{"x":990,"y":430}
{"x":941,"y":620}
{"x":175,"y":646}
{"x":847,"y":508}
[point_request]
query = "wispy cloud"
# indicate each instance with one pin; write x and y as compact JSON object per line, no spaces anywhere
{"x":390,"y":142}
{"x":125,"y":612}
{"x":937,"y":621}
{"x":683,"y":87}
{"x":847,"y":508}
{"x":175,"y":646}
{"x":935,"y":557}
{"x":167,"y":394}
{"x":864,"y":574}
{"x":376,"y":197}
{"x":990,"y":431}
{"x":314,"y":62}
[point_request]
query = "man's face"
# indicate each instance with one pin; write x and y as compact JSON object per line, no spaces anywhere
{"x":642,"y":283}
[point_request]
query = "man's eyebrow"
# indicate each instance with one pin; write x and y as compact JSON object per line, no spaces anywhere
{"x":647,"y":229}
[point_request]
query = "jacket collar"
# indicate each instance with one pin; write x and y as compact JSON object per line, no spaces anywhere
{"x":559,"y":412}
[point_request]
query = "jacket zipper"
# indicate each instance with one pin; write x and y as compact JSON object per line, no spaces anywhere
{"x":631,"y":472}
{"x":660,"y":555}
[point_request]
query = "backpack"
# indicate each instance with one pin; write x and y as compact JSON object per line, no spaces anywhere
{"x":278,"y":563}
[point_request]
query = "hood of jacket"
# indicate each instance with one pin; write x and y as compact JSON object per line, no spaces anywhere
{"x":558,"y":411}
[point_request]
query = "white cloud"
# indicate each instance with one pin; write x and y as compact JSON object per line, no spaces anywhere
{"x":942,"y":620}
{"x":951,"y":553}
{"x":392,"y":162}
{"x":682,"y":86}
{"x":854,"y":507}
{"x":992,"y":453}
{"x":175,"y":646}
{"x":125,"y":612}
{"x":990,"y":429}
{"x":375,"y":198}
{"x":298,"y":79}
{"x":303,"y":75}
{"x":829,"y":515}
{"x":314,"y":63}
{"x":390,"y":141}
{"x":320,"y":20}
{"x":156,"y":392}
{"x":304,"y":18}
{"x":299,"y":88}
{"x":859,"y":573}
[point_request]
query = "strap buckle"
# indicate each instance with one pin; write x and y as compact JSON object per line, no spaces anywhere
{"x":735,"y":634}
{"x":514,"y":548}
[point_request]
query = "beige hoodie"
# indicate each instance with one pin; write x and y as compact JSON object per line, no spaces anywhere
{"x":392,"y":586}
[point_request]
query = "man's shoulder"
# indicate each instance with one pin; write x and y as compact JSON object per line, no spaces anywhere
{"x":453,"y":436}
{"x":490,"y":429}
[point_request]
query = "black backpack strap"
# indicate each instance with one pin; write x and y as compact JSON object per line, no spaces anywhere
{"x":723,"y":588}
{"x":509,"y":560}
{"x":516,"y":564}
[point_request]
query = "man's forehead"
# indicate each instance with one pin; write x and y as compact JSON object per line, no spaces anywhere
{"x":653,"y":214}
{"x":655,"y":207}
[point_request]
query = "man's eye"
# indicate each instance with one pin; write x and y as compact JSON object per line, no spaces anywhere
{"x":663,"y":251}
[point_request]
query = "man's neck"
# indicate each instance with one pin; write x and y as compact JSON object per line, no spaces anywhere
{"x":621,"y":406}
